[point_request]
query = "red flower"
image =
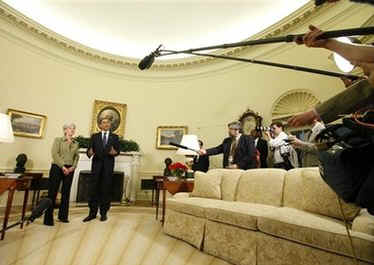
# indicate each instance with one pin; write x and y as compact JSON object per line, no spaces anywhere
{"x":178,"y":168}
{"x":178,"y":165}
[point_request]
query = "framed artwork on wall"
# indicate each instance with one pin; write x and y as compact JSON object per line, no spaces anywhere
{"x":250,"y":120}
{"x":167,"y":134}
{"x":115,"y":112}
{"x":27,"y":124}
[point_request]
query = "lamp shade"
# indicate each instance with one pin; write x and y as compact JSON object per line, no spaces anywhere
{"x":6,"y":131}
{"x":190,"y":141}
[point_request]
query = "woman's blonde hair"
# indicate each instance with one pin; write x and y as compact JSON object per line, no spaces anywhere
{"x":68,"y":125}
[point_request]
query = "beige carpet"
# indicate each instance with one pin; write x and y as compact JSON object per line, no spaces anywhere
{"x":131,"y":236}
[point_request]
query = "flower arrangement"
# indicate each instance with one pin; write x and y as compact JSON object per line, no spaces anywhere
{"x":178,"y":169}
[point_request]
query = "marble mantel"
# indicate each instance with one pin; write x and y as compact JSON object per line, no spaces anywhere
{"x":128,"y":163}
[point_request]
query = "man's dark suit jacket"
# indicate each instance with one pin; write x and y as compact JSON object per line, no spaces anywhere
{"x":101,"y":152}
{"x":245,"y":153}
{"x":262,"y":147}
{"x":201,"y":164}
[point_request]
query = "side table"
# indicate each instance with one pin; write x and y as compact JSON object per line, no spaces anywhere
{"x":11,"y":185}
{"x":174,"y":187}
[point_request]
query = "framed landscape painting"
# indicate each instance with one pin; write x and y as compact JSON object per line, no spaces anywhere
{"x":27,"y":124}
{"x":167,"y":134}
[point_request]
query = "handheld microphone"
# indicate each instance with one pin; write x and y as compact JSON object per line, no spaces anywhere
{"x":147,"y":61}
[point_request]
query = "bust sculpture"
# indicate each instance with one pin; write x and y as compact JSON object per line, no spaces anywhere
{"x":21,"y":161}
{"x":168,"y":162}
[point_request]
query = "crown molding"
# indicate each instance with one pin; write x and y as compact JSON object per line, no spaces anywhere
{"x":15,"y":18}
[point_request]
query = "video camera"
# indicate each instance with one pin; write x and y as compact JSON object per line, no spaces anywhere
{"x":264,"y":129}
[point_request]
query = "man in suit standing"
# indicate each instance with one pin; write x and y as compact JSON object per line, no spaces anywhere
{"x":238,"y":149}
{"x":104,"y":146}
{"x":262,"y":147}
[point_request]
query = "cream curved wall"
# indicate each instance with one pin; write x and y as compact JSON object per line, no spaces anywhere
{"x":41,"y":78}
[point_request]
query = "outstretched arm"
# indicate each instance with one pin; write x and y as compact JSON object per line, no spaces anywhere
{"x":352,"y":52}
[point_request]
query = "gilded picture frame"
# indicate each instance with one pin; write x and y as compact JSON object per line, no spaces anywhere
{"x":167,"y":134}
{"x":27,"y":124}
{"x":249,"y":121}
{"x":115,"y":112}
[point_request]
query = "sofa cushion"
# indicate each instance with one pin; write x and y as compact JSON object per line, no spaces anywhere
{"x":321,"y":199}
{"x":230,"y":179}
{"x":264,"y":186}
{"x":192,"y":206}
{"x":239,"y":214}
{"x":207,"y":185}
{"x":293,"y":188}
{"x":317,"y":231}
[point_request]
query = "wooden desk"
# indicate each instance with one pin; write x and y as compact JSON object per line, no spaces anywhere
{"x":173,"y":187}
{"x":11,"y":185}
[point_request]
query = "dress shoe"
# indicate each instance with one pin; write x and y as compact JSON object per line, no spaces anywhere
{"x":49,"y":223}
{"x":89,"y":218}
{"x":103,"y":218}
{"x":64,"y":220}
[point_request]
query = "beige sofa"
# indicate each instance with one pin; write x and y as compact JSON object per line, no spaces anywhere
{"x":269,"y":216}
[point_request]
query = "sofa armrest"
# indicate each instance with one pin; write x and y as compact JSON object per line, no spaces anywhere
{"x":181,"y":195}
{"x":364,"y":223}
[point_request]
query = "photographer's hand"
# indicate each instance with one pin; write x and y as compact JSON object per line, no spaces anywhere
{"x":268,"y":135}
{"x":368,"y":69}
{"x":310,"y":38}
{"x":302,"y":119}
{"x":202,"y":152}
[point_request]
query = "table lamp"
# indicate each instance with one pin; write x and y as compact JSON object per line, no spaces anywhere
{"x":6,"y":131}
{"x":190,"y":141}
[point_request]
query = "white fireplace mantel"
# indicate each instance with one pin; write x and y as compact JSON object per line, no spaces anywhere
{"x":128,"y":163}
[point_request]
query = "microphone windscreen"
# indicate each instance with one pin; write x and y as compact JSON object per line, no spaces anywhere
{"x":146,"y":62}
{"x":42,"y":206}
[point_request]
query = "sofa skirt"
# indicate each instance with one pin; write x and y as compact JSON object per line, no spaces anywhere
{"x":276,"y":251}
{"x":186,"y":227}
{"x":233,"y":244}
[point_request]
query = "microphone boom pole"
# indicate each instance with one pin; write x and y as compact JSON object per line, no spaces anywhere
{"x":288,"y":38}
{"x":286,"y":66}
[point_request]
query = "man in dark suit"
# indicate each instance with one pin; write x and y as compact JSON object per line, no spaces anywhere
{"x":201,"y":163}
{"x":238,"y":149}
{"x":262,"y":147}
{"x":104,"y":146}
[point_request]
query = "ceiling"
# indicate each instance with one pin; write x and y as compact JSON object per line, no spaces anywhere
{"x":134,"y":28}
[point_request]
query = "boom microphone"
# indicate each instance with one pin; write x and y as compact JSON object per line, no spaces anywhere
{"x":147,"y":61}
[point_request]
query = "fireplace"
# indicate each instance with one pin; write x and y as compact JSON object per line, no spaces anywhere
{"x":84,"y":178}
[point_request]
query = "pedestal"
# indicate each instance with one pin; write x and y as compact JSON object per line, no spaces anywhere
{"x":128,"y":163}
